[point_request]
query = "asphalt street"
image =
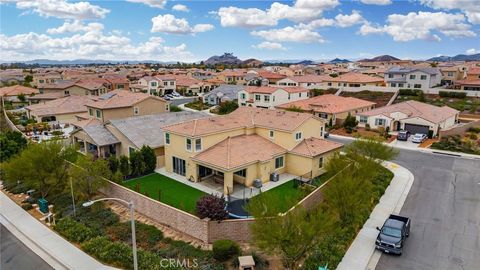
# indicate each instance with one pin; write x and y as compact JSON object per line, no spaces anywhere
{"x":444,"y":205}
{"x":14,"y":255}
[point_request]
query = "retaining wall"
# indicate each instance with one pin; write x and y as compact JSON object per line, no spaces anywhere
{"x":458,"y":130}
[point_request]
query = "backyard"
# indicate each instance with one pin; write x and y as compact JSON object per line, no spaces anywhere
{"x":166,"y":190}
{"x":198,"y":105}
{"x":380,"y":98}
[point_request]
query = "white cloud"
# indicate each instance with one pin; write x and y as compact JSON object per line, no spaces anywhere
{"x":75,"y":26}
{"x":269,"y":46}
{"x":377,"y":2}
{"x":63,"y":9}
{"x":472,"y":51}
{"x":244,"y":17}
{"x":349,"y":20}
{"x":300,"y":11}
{"x":179,"y":7}
{"x":471,"y":8}
{"x":90,"y":45}
{"x":290,"y":34}
{"x":151,"y":3}
{"x":421,"y":25}
{"x":169,"y":24}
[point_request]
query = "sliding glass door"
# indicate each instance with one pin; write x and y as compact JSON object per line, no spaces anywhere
{"x":179,"y":166}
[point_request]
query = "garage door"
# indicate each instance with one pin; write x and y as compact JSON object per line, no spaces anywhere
{"x":416,"y":128}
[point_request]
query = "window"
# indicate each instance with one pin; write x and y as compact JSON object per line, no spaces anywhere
{"x":329,"y":84}
{"x":99,"y":114}
{"x":243,"y":96}
{"x":172,"y":83}
{"x":363,"y":119}
{"x":417,"y":86}
{"x":320,"y":162}
{"x":257,"y":97}
{"x":323,"y":115}
{"x":288,"y":96}
{"x":188,"y":144}
{"x":242,"y":173}
{"x":400,"y":85}
{"x":136,"y":110}
{"x":266,"y":98}
{"x":270,"y":134}
{"x":299,"y":94}
{"x":41,"y":81}
{"x":165,"y":83}
{"x":90,"y":111}
{"x":130,"y":151}
{"x":198,"y":145}
{"x":423,"y":77}
{"x":167,"y":107}
{"x":412,"y":77}
{"x":153,"y":84}
{"x":321,"y":131}
{"x":393,"y":85}
{"x":279,"y":162}
{"x":120,"y":86}
{"x":298,"y":136}
{"x":66,"y":93}
{"x":390,"y":75}
{"x":379,"y":122}
{"x":167,"y":138}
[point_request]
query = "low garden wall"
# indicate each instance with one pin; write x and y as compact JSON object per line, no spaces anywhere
{"x":435,"y":90}
{"x":459,"y":130}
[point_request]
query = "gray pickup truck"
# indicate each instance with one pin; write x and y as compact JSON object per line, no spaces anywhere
{"x":392,"y":235}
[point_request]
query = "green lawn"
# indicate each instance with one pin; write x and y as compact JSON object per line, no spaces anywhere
{"x":285,"y":196}
{"x":172,"y":192}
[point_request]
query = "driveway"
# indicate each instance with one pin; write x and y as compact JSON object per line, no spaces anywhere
{"x":444,"y":205}
{"x":405,"y":144}
{"x":15,"y":255}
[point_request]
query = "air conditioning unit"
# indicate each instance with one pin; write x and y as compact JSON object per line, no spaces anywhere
{"x":257,"y":183}
{"x":274,"y":177}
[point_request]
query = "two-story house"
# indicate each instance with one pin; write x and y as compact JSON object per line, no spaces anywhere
{"x":352,"y":79}
{"x":418,"y":78}
{"x":158,"y":85}
{"x":270,"y":96}
{"x":306,"y":81}
{"x":247,"y":146}
{"x":233,"y":76}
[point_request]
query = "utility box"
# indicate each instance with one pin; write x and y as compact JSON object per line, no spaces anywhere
{"x":43,"y":205}
{"x":246,"y":263}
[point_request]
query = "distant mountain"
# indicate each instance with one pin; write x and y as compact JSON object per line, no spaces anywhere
{"x":338,"y":61}
{"x":48,"y":62}
{"x":226,"y":58}
{"x":381,"y":58}
{"x":458,"y":57}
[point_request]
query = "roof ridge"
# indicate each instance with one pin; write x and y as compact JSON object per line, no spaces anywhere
{"x":228,"y":152}
{"x":194,"y":127}
{"x":308,"y":148}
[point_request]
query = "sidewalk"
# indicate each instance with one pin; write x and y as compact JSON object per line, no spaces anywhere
{"x":425,"y":150}
{"x":361,"y":254}
{"x":52,"y":248}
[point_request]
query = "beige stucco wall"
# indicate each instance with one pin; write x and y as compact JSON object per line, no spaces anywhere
{"x":146,"y":107}
{"x":125,"y":143}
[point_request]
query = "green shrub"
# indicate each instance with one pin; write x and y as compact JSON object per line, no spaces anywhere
{"x":225,"y":249}
{"x":367,"y":126}
{"x":174,"y":108}
{"x":473,"y":136}
{"x":474,"y":129}
{"x":74,"y":231}
{"x":451,"y":94}
{"x":147,"y":235}
{"x":97,"y":217}
{"x":27,"y":206}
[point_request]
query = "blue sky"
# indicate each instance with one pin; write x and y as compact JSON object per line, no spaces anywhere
{"x":194,"y":30}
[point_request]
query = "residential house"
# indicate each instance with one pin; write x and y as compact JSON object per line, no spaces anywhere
{"x":63,"y":110}
{"x":247,"y":145}
{"x":45,"y":78}
{"x":418,"y":78}
{"x":158,"y":85}
{"x":117,"y":82}
{"x":334,"y":109}
{"x":233,"y":77}
{"x":224,"y":92}
{"x":252,"y":63}
{"x":452,"y":74}
{"x":414,"y":116}
{"x":121,"y":104}
{"x":191,"y":86}
{"x":120,"y":137}
{"x":306,"y":81}
{"x":471,"y":82}
{"x":11,"y":93}
{"x":352,"y":79}
{"x":270,"y":96}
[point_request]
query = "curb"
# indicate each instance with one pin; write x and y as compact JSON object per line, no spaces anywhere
{"x":362,"y":254}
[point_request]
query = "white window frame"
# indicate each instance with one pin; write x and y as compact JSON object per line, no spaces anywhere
{"x":271,"y":134}
{"x":136,"y":110}
{"x":298,"y":136}
{"x":321,"y":131}
{"x":198,"y":142}
{"x":167,"y":138}
{"x":320,"y":163}
{"x":98,"y":113}
{"x":188,"y":146}
{"x":363,"y":119}
{"x":258,"y":97}
{"x":378,"y":120}
{"x":283,"y":162}
{"x":266,"y":98}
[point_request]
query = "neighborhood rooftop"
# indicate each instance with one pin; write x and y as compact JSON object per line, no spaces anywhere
{"x":328,"y":103}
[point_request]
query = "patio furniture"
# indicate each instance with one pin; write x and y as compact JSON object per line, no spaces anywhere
{"x":218,"y":179}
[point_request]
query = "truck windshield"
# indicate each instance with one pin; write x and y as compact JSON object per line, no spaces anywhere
{"x":392,"y":232}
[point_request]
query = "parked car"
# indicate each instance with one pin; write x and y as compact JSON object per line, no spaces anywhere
{"x":419,"y":138}
{"x":326,"y":134}
{"x":175,"y":94}
{"x":403,"y":135}
{"x":392,"y":235}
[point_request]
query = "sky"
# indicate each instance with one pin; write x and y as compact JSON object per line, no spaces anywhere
{"x":187,"y":31}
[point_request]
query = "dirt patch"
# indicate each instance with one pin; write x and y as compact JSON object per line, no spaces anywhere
{"x":380,"y":98}
{"x":427,"y":143}
{"x":361,"y":132}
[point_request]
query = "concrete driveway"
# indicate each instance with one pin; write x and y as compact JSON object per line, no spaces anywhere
{"x":405,"y":144}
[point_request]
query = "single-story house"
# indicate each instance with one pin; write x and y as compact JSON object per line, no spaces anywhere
{"x":225,"y":92}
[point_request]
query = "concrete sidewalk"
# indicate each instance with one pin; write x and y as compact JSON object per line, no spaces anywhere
{"x":425,"y":150}
{"x":361,"y":254}
{"x":48,"y":245}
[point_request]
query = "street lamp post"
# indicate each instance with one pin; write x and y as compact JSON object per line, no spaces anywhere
{"x":132,"y":220}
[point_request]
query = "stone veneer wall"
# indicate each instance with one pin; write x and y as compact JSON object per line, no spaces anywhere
{"x":233,"y":229}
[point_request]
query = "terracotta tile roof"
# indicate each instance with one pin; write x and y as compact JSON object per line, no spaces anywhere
{"x":16,"y":90}
{"x":57,"y":85}
{"x":87,"y":122}
{"x":271,"y":89}
{"x":328,"y":104}
{"x":239,"y":151}
{"x":473,"y":71}
{"x":119,"y":99}
{"x":468,"y":82}
{"x":92,"y":84}
{"x":270,"y":75}
{"x":414,"y":108}
{"x":313,"y":147}
{"x":233,"y":73}
{"x":353,"y":77}
{"x":47,"y":96}
{"x":310,"y":78}
{"x":187,"y":81}
{"x":65,"y":105}
{"x":243,"y":117}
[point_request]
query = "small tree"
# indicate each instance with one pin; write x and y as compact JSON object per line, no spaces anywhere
{"x":371,"y":148}
{"x":113,"y":164}
{"x":149,"y":158}
{"x":212,"y":206}
{"x":11,"y":143}
{"x":21,"y":97}
{"x":137,"y":165}
{"x":89,"y":175}
{"x":124,"y":166}
{"x":350,"y":122}
{"x":227,"y":107}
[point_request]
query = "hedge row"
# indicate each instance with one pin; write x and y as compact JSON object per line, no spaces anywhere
{"x":452,"y":94}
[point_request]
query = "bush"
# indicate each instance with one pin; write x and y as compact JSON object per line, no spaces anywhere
{"x":451,"y":94}
{"x":27,"y":206}
{"x":174,"y":108}
{"x":212,"y":206}
{"x":367,"y":126}
{"x":474,"y":129}
{"x":227,"y":107}
{"x":97,"y":217}
{"x":350,"y":122}
{"x":147,"y":235}
{"x":407,"y":92}
{"x":74,"y":231}
{"x":225,"y":249}
{"x":149,"y":159}
{"x":113,"y":163}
